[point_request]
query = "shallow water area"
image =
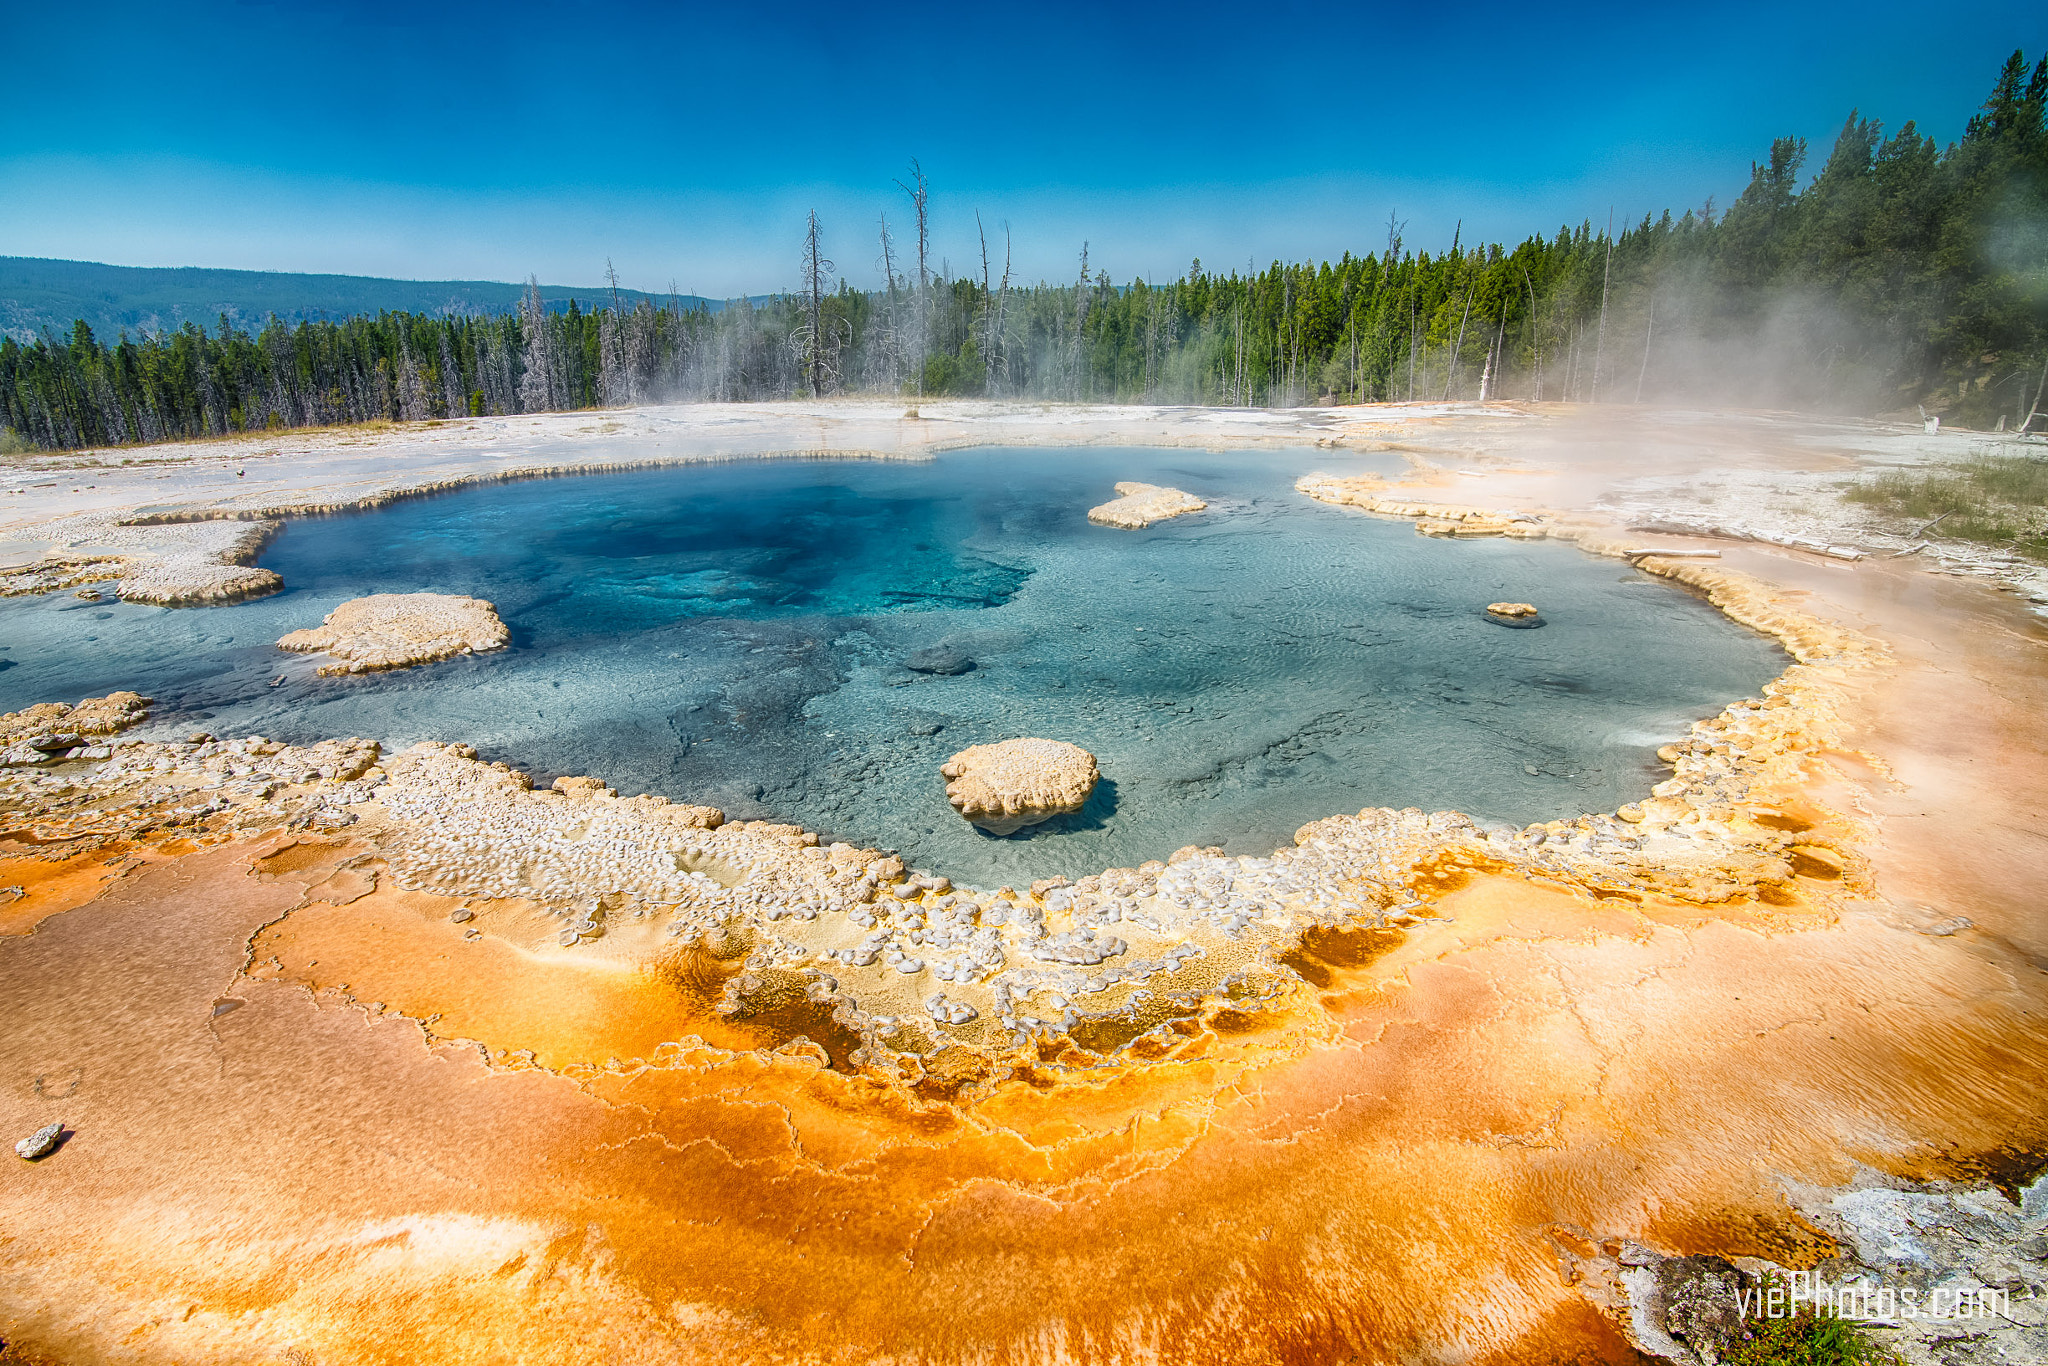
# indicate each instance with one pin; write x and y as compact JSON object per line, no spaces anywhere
{"x":738,"y":634}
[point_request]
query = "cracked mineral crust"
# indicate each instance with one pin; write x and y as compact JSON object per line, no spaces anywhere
{"x":398,"y":630}
{"x":1140,"y":505}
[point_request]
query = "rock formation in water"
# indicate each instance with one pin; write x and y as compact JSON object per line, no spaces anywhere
{"x":1371,"y":492}
{"x":939,"y":659}
{"x":158,"y":558}
{"x":1522,"y":614}
{"x":1143,"y":504}
{"x":398,"y":630}
{"x":1004,"y":787}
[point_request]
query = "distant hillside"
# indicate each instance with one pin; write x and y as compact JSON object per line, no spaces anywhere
{"x":37,"y":294}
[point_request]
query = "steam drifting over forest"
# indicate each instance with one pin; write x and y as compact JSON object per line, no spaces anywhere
{"x":1901,"y":274}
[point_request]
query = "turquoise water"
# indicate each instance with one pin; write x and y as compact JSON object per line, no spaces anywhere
{"x":737,"y":634}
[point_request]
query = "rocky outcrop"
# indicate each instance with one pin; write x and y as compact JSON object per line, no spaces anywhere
{"x":94,"y":716}
{"x":1143,"y":504}
{"x":1004,"y":787}
{"x":1431,"y":519}
{"x":196,"y":583}
{"x":50,"y":731}
{"x":399,"y":630}
{"x":55,"y":572}
{"x":1944,"y":1272}
{"x":195,"y":564}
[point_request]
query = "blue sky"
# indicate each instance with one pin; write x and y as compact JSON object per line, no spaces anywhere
{"x":686,"y":142}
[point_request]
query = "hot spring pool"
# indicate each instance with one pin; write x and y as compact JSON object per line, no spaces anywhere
{"x":736,"y":635}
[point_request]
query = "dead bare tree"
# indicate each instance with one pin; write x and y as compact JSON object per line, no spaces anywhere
{"x":2034,"y":408}
{"x":1648,"y":333}
{"x":1081,"y":302}
{"x":1492,"y":355}
{"x":1238,"y":394}
{"x":614,"y":373}
{"x":1458,"y":347}
{"x":538,"y":389}
{"x":986,"y":312}
{"x":814,"y":342}
{"x":919,"y":190}
{"x":999,"y":367}
{"x":884,"y":345}
{"x":1411,"y":344}
{"x":1535,"y":340}
{"x":1606,"y":274}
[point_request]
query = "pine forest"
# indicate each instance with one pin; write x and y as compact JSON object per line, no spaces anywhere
{"x":1896,"y":274}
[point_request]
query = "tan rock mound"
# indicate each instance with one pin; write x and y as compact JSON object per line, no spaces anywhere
{"x":1511,"y":609}
{"x":50,"y":731}
{"x":93,"y":716}
{"x":1143,"y":504}
{"x":398,"y":630}
{"x":1004,"y":787}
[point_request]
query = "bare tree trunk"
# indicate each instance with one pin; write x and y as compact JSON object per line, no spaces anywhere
{"x":988,"y":363}
{"x":1411,"y":343}
{"x":453,"y":398}
{"x":541,"y":388}
{"x":1081,"y":302}
{"x":889,"y":342}
{"x":816,"y":267}
{"x":1458,"y":347}
{"x":1238,"y":394}
{"x":1535,"y":339}
{"x":919,"y":190}
{"x":1649,"y":332}
{"x":1284,"y":342}
{"x":2034,"y":408}
{"x":1600,"y":349}
{"x":1492,"y":350}
{"x":997,"y":362}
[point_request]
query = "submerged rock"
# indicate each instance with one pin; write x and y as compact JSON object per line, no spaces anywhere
{"x":398,"y":630}
{"x":939,"y":659}
{"x":1004,"y":787}
{"x":1143,"y":504}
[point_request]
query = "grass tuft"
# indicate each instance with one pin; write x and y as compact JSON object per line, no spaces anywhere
{"x":1809,"y":1339}
{"x":1993,"y":500}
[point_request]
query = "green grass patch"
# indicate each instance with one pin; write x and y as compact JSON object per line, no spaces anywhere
{"x":1808,"y":1339}
{"x":1992,"y":500}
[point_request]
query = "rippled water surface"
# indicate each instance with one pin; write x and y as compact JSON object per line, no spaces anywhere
{"x":736,"y":634}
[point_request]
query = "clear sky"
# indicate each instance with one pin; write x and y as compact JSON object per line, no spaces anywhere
{"x":684,"y":142}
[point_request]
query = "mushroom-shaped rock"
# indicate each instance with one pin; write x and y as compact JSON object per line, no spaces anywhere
{"x":398,"y":630}
{"x":1004,"y":787}
{"x":1513,"y":614}
{"x":1143,"y":504}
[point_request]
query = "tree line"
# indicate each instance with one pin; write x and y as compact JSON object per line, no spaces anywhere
{"x":1900,"y":274}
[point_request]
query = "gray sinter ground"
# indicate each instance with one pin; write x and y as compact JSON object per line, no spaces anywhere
{"x":737,"y":634}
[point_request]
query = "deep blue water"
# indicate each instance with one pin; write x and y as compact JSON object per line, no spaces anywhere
{"x":736,"y":634}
